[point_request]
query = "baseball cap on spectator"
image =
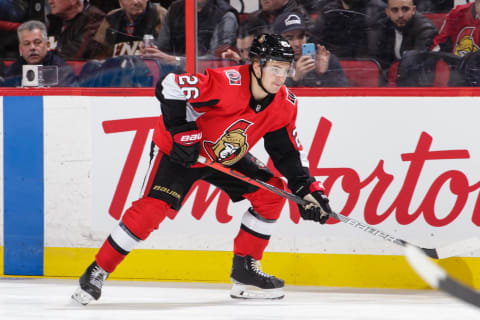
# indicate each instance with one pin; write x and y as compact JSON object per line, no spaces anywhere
{"x":288,"y":21}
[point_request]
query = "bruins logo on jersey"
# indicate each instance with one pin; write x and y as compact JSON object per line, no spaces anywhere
{"x":465,"y":42}
{"x":231,"y":146}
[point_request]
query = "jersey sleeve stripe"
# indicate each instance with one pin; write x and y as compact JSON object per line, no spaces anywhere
{"x":171,"y":90}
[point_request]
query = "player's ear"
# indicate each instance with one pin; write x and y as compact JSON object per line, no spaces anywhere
{"x":256,"y":68}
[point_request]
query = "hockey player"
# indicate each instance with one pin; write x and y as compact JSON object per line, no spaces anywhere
{"x":221,"y":115}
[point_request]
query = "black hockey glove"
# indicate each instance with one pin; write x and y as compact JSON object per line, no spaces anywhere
{"x":318,"y":208}
{"x":186,"y":144}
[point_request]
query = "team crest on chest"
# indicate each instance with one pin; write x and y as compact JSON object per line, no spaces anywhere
{"x":231,"y":146}
{"x":234,"y":77}
{"x":465,"y":42}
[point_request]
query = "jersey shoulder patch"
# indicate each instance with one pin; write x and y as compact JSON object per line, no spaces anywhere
{"x":234,"y":77}
{"x":291,"y":97}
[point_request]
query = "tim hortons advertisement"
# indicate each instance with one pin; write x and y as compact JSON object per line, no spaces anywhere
{"x":406,"y":165}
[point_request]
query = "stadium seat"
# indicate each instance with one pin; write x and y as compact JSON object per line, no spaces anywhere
{"x":392,"y":74}
{"x":8,"y":26}
{"x":362,"y":72}
{"x":8,"y":62}
{"x":442,"y":74}
{"x":154,"y":68}
{"x":76,"y":65}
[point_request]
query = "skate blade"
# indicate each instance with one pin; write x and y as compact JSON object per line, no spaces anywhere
{"x":81,"y":297}
{"x":241,"y":291}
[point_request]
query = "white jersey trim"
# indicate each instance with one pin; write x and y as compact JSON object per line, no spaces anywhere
{"x":171,"y":90}
{"x":257,"y":225}
{"x":123,"y":239}
{"x":191,"y":114}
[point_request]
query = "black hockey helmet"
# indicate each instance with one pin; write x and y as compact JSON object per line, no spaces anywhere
{"x":271,"y":47}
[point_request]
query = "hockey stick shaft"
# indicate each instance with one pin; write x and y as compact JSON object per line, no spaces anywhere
{"x":433,"y":253}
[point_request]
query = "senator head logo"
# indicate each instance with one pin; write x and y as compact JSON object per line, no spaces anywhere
{"x":465,"y":42}
{"x":231,"y":146}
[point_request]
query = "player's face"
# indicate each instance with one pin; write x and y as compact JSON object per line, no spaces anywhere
{"x":32,"y":46}
{"x":274,"y":75}
{"x":400,"y":11}
{"x":296,"y":38}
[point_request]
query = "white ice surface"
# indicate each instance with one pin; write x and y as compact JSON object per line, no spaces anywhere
{"x":39,"y":299}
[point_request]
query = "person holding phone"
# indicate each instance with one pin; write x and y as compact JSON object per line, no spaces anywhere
{"x":315,"y":66}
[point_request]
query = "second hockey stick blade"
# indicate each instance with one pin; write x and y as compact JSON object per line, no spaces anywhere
{"x":435,"y":253}
{"x":438,"y":278}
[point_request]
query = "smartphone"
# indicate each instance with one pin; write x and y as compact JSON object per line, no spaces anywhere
{"x":308,"y":49}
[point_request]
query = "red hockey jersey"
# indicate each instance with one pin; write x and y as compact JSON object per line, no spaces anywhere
{"x":231,"y":121}
{"x":460,"y":32}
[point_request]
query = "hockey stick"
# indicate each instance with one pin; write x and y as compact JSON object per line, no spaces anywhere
{"x":438,"y":278}
{"x":436,"y":253}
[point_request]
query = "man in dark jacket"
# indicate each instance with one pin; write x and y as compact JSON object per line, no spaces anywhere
{"x":71,"y":27}
{"x":121,"y":31}
{"x":404,"y":29}
{"x":346,"y":27}
{"x":32,"y":37}
{"x":271,"y":9}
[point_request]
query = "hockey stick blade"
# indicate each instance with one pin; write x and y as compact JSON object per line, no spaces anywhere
{"x":451,"y":250}
{"x":438,"y":278}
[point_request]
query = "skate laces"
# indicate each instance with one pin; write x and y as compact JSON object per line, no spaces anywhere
{"x":98,"y":276}
{"x":257,"y":267}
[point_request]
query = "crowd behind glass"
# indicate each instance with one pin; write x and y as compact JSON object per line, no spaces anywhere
{"x":337,"y":43}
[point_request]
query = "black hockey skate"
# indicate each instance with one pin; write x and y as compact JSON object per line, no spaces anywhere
{"x":246,"y":272}
{"x":91,"y":283}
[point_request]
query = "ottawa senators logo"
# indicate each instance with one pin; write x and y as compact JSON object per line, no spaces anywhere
{"x":231,"y":146}
{"x":465,"y":42}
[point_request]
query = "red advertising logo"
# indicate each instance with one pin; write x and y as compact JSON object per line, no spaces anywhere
{"x":351,"y":182}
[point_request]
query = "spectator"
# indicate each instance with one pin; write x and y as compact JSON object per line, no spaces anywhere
{"x":247,"y":31}
{"x":121,"y":31}
{"x":460,"y":33}
{"x":322,"y":71}
{"x":32,"y":37}
{"x":403,"y":29}
{"x":271,"y":9}
{"x":71,"y":28}
{"x":13,"y":10}
{"x":109,"y":5}
{"x":312,"y":6}
{"x":217,"y":30}
{"x":346,"y":27}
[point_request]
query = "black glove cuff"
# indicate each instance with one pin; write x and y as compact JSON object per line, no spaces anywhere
{"x":303,"y":189}
{"x":184,"y":127}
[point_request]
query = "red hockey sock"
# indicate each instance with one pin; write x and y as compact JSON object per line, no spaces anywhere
{"x":108,"y":258}
{"x":246,"y":244}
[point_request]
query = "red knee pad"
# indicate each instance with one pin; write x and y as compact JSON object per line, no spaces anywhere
{"x":266,"y":203}
{"x":144,"y":216}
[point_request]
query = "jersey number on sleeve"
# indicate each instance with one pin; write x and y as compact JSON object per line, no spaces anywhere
{"x":297,"y":140}
{"x":189,"y":92}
